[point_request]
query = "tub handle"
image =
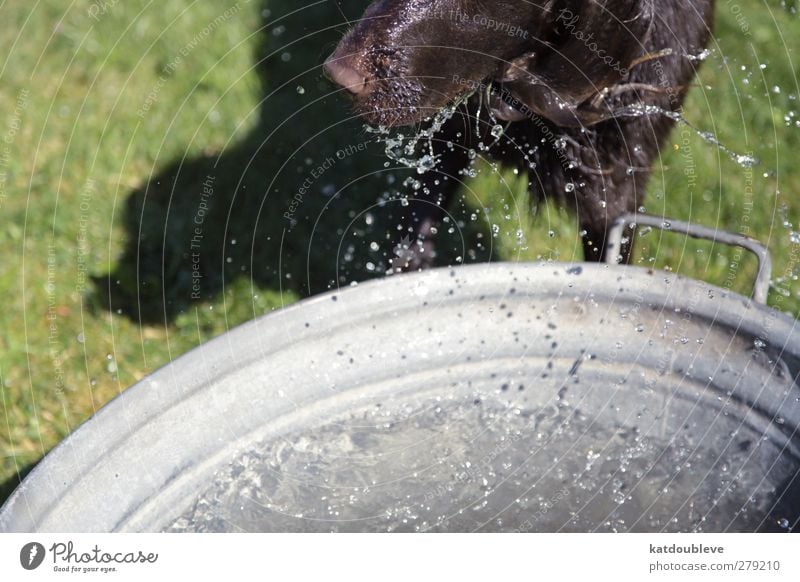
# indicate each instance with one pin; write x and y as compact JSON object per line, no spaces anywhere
{"x":617,"y":231}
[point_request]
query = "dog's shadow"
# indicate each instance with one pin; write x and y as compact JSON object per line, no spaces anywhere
{"x":304,"y":203}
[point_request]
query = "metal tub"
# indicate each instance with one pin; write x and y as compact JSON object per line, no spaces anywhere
{"x":500,"y":397}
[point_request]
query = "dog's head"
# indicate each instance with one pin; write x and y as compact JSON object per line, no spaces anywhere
{"x":406,"y":59}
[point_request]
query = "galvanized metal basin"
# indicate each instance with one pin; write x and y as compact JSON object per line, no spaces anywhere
{"x":500,"y":397}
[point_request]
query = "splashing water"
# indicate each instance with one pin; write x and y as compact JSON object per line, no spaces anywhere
{"x":402,"y":148}
{"x":701,"y":56}
{"x":792,"y":272}
{"x":645,"y":110}
{"x":794,"y":236}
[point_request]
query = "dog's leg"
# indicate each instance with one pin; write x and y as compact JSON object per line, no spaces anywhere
{"x":415,"y":245}
{"x":611,"y":174}
{"x":595,"y":236}
{"x":608,"y":198}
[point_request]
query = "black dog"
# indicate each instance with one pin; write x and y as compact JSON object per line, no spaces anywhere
{"x":583,"y":85}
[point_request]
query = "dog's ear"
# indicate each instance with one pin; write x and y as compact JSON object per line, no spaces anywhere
{"x":593,"y":49}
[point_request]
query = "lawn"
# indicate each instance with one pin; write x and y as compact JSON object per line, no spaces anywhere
{"x":150,"y":151}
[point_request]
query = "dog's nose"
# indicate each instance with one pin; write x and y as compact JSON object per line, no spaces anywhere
{"x":340,"y":71}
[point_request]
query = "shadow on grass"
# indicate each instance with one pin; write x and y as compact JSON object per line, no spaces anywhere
{"x":303,"y":204}
{"x":8,"y":486}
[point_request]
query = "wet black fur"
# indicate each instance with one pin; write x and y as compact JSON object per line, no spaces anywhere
{"x":561,"y":72}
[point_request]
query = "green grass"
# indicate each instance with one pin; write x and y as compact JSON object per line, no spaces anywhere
{"x":99,"y":196}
